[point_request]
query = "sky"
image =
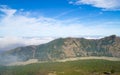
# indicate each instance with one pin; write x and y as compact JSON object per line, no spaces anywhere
{"x":58,"y":18}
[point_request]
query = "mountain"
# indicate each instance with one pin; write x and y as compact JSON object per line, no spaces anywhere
{"x":68,"y":48}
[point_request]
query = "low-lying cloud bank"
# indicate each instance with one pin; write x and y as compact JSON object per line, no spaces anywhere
{"x":8,"y":43}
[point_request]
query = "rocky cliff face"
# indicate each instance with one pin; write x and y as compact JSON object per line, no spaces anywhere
{"x":68,"y":48}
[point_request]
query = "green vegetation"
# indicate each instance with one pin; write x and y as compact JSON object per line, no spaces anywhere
{"x":80,"y":67}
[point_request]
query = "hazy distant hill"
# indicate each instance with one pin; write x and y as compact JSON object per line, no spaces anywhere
{"x":1,"y":51}
{"x":68,"y":48}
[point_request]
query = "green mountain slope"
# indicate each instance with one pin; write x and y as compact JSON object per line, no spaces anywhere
{"x":68,"y":48}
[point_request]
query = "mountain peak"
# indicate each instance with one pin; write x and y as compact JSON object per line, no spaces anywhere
{"x":112,"y":36}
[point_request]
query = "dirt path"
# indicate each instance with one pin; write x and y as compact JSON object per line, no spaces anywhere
{"x":86,"y":58}
{"x":64,"y":60}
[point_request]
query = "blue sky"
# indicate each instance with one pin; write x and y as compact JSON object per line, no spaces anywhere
{"x":59,"y":18}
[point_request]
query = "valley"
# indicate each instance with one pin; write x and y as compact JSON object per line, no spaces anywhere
{"x":76,"y":67}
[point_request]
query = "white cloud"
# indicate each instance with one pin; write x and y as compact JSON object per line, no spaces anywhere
{"x":20,"y":23}
{"x":104,"y":4}
{"x":8,"y":11}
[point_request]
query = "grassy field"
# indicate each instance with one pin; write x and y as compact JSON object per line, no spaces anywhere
{"x":79,"y":67}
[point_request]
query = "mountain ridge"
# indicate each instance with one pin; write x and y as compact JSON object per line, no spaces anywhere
{"x":63,"y":48}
